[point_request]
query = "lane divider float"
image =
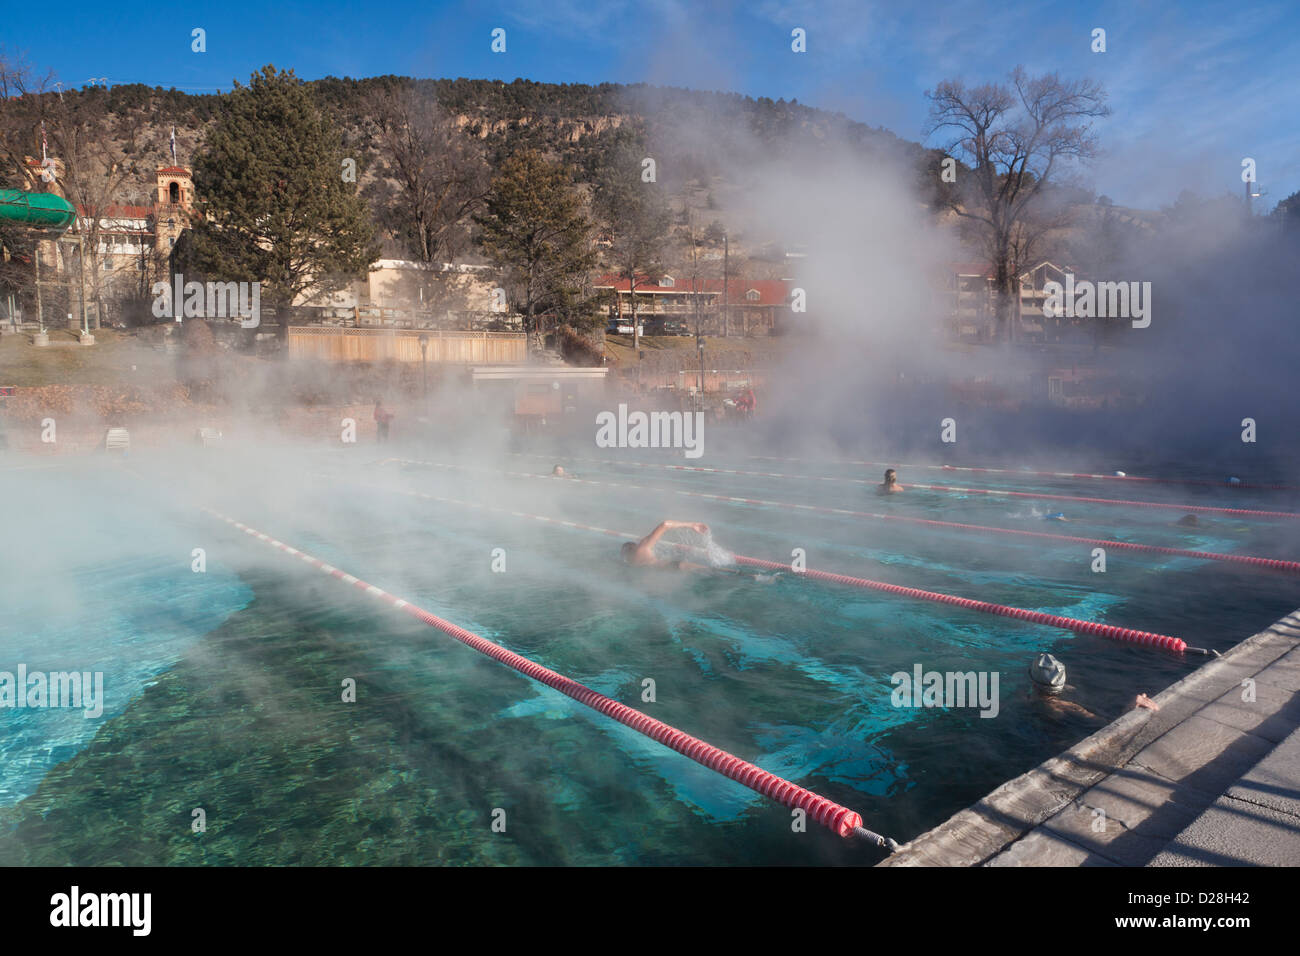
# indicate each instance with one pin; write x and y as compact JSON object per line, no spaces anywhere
{"x":838,"y":819}
{"x":1109,"y":631}
{"x":994,"y":492}
{"x":1269,"y":564}
{"x":1226,"y":483}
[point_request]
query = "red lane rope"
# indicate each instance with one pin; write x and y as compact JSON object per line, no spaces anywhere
{"x":1270,"y":564}
{"x":1111,"y":631}
{"x":1055,"y":474}
{"x":995,"y":492}
{"x":838,"y":819}
{"x":1126,"y":634}
{"x":1109,"y":501}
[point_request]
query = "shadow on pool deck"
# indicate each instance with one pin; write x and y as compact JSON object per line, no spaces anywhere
{"x":1211,"y":779}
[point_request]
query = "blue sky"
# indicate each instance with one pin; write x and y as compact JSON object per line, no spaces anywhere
{"x":1195,"y":86}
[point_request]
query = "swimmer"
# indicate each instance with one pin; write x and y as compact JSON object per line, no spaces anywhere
{"x":558,"y":472}
{"x":1047,"y":675}
{"x":890,"y":484}
{"x":642,"y":553}
{"x":1189,"y":521}
{"x":1057,"y":516}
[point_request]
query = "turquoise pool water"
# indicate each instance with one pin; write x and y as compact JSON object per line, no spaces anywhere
{"x":225,"y":687}
{"x":115,"y":596}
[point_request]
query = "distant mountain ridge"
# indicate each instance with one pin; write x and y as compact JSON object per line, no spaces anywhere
{"x":573,"y":121}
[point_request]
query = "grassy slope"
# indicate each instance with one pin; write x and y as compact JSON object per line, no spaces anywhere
{"x":731,"y":352}
{"x":108,"y":362}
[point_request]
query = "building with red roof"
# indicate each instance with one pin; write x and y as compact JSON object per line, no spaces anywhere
{"x":126,"y":246}
{"x":751,"y":306}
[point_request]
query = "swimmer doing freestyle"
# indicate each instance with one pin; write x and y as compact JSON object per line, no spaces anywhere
{"x":642,"y":553}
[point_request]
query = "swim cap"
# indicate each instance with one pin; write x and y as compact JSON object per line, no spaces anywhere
{"x":1120,"y":474}
{"x":1234,"y":481}
{"x":1047,"y":673}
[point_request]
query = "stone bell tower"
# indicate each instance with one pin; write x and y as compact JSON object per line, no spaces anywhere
{"x":174,"y":206}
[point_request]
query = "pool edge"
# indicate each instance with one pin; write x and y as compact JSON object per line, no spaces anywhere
{"x":1024,"y":821}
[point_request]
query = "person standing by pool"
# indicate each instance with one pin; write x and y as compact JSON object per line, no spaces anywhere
{"x":890,"y":484}
{"x":383,"y":417}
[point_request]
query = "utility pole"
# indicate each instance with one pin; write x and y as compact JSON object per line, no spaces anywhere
{"x":40,"y":310}
{"x":81,"y":267}
{"x":699,"y":344}
{"x":1252,"y":192}
{"x":726,"y":252}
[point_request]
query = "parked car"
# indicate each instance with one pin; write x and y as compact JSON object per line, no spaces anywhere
{"x":669,"y":326}
{"x":622,"y":328}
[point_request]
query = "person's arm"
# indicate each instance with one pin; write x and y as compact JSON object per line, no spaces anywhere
{"x":650,"y":540}
{"x":1070,"y":707}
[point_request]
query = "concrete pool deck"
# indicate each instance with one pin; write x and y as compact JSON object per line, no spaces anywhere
{"x":1211,"y":779}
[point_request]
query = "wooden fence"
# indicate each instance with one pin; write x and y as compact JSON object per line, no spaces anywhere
{"x":379,"y":345}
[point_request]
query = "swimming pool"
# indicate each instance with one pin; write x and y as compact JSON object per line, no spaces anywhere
{"x":226,"y":686}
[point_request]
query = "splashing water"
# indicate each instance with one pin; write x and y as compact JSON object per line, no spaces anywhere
{"x":700,"y":546}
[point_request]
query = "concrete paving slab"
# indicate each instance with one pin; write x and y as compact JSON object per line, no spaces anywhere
{"x":1273,"y":714}
{"x":1202,"y":754}
{"x":1235,"y":833}
{"x":1129,"y":817}
{"x":1274,"y":782}
{"x":1284,"y":672}
{"x":1047,"y":849}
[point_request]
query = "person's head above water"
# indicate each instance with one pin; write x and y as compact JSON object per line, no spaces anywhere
{"x":557,"y":472}
{"x":1048,"y":674}
{"x":890,"y":483}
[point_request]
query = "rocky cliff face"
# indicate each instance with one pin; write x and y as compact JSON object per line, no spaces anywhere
{"x":570,"y":129}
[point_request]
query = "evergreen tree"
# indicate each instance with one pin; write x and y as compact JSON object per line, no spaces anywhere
{"x":534,"y":227}
{"x":276,"y":209}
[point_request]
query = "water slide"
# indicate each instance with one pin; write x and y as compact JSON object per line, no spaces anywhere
{"x":44,"y":211}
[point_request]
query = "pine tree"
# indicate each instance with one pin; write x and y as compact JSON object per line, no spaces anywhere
{"x":276,"y":209}
{"x":534,"y":227}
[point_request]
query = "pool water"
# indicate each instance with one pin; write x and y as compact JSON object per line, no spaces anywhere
{"x":225,"y":688}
